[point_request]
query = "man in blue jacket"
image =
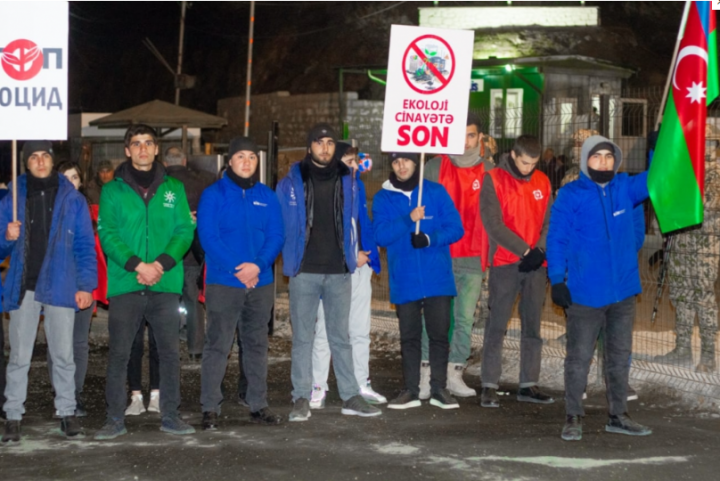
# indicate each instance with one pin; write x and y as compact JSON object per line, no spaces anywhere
{"x":53,"y":269}
{"x":421,"y":276}
{"x":241,"y":231}
{"x":368,"y":261}
{"x":593,"y":268}
{"x":319,"y":203}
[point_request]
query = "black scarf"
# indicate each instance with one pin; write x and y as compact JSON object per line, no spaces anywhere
{"x":517,"y":172}
{"x":144,"y":178}
{"x":239,"y":181}
{"x":323,"y":173}
{"x":36,"y":184}
{"x":601,"y":176}
{"x":406,"y":185}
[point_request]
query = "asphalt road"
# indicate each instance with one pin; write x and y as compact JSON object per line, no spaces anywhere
{"x":519,"y":441}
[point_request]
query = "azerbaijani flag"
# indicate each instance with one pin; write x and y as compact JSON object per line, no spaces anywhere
{"x":676,"y":180}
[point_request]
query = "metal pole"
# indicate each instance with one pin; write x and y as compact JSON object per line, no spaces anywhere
{"x":180,"y":52}
{"x":681,"y":32}
{"x":249,"y":69}
{"x":185,"y":139}
{"x":14,"y":179}
{"x":420,"y":188}
{"x":263,"y":167}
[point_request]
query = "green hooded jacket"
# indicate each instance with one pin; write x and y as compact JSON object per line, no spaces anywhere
{"x":136,"y":226}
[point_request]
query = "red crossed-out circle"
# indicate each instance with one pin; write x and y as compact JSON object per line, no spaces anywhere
{"x":414,"y":48}
{"x":22,"y":59}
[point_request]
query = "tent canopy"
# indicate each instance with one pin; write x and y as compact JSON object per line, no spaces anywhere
{"x":160,"y":115}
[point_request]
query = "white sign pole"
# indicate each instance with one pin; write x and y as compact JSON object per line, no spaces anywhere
{"x":14,"y":179}
{"x":420,"y":188}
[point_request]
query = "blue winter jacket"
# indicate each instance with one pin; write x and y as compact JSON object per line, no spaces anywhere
{"x":291,"y":194}
{"x":417,"y":273}
{"x":367,"y":237}
{"x":70,"y":263}
{"x":237,"y":225}
{"x":594,"y":237}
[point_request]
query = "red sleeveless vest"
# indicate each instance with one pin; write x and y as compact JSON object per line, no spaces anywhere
{"x":523,"y":205}
{"x":464,"y":185}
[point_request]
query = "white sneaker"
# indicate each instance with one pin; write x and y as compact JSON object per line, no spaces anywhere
{"x":136,"y":406}
{"x":317,"y":399}
{"x":371,"y":396}
{"x":455,"y":383}
{"x":424,"y":380}
{"x":154,"y":404}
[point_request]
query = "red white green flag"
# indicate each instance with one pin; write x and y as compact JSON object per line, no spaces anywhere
{"x":676,"y":180}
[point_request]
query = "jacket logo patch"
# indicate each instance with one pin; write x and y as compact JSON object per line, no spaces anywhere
{"x":427,"y":217}
{"x":476,"y":185}
{"x":259,"y":203}
{"x":169,"y":199}
{"x":538,"y":194}
{"x":619,"y":212}
{"x":293,"y":199}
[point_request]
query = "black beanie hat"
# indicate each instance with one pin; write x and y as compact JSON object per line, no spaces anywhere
{"x":341,"y":148}
{"x":32,"y":146}
{"x":403,"y":155}
{"x":602,"y":146}
{"x":242,"y":143}
{"x":320,"y":131}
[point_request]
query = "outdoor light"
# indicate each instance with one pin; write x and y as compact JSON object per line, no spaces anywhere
{"x":509,"y":67}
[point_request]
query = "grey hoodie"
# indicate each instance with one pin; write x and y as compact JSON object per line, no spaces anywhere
{"x":589,"y":144}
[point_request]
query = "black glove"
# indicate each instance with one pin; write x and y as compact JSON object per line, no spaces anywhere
{"x":561,"y":295}
{"x":532,"y":261}
{"x":420,"y":240}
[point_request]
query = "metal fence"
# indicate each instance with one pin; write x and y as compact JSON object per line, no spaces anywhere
{"x":562,"y":122}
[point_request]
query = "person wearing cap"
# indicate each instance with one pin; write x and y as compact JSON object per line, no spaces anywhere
{"x":462,"y":177}
{"x":360,"y":302}
{"x":52,"y":269}
{"x":319,"y":202}
{"x":593,"y":268}
{"x":145,"y":228}
{"x":421,"y":277}
{"x":241,"y":229}
{"x":105,"y":173}
{"x":515,"y":210}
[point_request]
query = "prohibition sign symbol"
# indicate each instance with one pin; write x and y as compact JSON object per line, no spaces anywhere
{"x":425,"y":64}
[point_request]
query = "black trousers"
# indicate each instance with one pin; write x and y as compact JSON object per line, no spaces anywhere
{"x":437,"y":325}
{"x":134,"y":371}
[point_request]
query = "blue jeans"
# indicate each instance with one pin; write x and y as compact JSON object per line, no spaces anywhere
{"x":469,"y":288}
{"x":306,"y":290}
{"x":58,"y":325}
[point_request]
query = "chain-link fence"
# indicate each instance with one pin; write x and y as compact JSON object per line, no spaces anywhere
{"x":563,"y":120}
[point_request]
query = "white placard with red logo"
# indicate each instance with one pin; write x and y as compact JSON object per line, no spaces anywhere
{"x":427,"y":92}
{"x":33,"y":70}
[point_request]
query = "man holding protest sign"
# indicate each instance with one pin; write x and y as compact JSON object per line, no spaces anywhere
{"x":52,"y":269}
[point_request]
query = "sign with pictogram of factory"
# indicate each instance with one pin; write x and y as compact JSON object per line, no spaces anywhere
{"x":33,"y":70}
{"x":427,"y":92}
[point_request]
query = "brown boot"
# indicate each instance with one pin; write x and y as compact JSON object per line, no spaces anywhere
{"x":707,"y":355}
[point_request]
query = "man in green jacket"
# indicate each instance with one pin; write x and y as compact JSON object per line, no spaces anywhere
{"x":145,"y":229}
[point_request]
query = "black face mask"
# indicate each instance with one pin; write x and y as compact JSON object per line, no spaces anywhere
{"x":406,"y":185}
{"x":601,"y":176}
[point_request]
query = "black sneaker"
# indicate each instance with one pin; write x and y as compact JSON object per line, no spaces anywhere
{"x":622,"y":424}
{"x":71,"y":427}
{"x":12,"y":432}
{"x":112,"y":428}
{"x":443,"y":399}
{"x":572,"y":431}
{"x":80,"y":410}
{"x":358,"y":406}
{"x":209,"y":421}
{"x":533,"y":395}
{"x":489,"y":398}
{"x":300,"y":411}
{"x":242,"y":402}
{"x":405,"y":400}
{"x":266,"y":416}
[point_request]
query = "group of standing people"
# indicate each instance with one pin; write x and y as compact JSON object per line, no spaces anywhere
{"x":474,"y":220}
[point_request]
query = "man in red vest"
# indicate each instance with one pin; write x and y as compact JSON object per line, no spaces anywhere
{"x":462,"y":177}
{"x":515,"y":208}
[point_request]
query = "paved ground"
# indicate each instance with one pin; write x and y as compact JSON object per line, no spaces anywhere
{"x":516,"y":442}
